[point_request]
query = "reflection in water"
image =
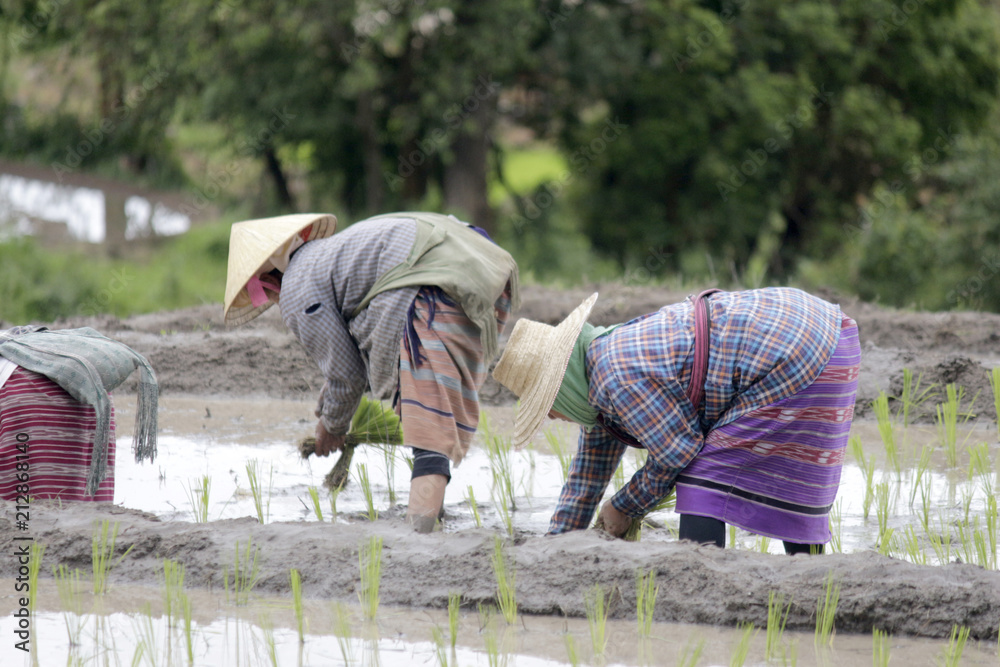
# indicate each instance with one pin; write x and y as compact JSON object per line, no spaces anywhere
{"x":25,"y":202}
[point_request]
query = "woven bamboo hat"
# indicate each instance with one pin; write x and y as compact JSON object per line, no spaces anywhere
{"x":258,"y":246}
{"x":533,"y":364}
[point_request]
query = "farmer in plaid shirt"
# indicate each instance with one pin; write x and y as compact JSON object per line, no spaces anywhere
{"x":757,"y":440}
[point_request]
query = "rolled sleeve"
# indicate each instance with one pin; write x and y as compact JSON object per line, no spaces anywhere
{"x":592,"y":468}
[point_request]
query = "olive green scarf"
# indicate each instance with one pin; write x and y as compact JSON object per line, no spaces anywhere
{"x":575,"y":388}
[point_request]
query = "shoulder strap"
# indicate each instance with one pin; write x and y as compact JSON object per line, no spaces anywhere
{"x":702,"y":341}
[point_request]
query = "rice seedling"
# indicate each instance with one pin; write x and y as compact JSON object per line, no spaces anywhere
{"x":102,"y":543}
{"x":956,"y":645}
{"x":334,"y":494}
{"x":763,"y":544}
{"x":296,"y":584}
{"x":70,"y":596}
{"x":494,"y":656}
{"x":571,"y":653}
{"x":454,"y":605}
{"x":885,"y":542}
{"x":146,"y":646}
{"x":883,"y":505}
{"x":836,"y":528}
{"x":597,"y":619}
{"x":244,"y":575}
{"x":314,"y":498}
{"x":342,"y":630}
{"x":739,"y":656}
{"x":35,"y":554}
{"x":941,"y":542}
{"x":261,"y":504}
{"x":173,"y":587}
{"x":995,"y":385}
{"x":267,"y":638}
{"x":618,"y":479}
{"x":389,"y":456}
{"x":370,"y":563}
{"x":503,"y":506}
{"x":922,"y":474}
{"x":992,"y":524}
{"x":440,"y":651}
{"x":979,"y":460}
{"x":498,"y":451}
{"x":198,"y":492}
{"x":947,"y":420}
{"x":366,"y":489}
{"x":912,"y":546}
{"x":880,"y":653}
{"x":775,"y":624}
{"x":826,"y":611}
{"x":646,"y":591}
{"x":503,"y":570}
{"x":470,"y":496}
{"x":185,"y":604}
{"x":691,"y":653}
{"x":913,"y":396}
{"x":885,"y":429}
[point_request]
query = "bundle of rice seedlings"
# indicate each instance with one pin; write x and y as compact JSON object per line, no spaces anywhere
{"x":373,"y":423}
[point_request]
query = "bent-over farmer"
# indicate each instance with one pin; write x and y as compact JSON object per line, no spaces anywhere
{"x":407,"y":306}
{"x":743,"y":401}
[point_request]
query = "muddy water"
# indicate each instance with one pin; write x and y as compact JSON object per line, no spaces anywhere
{"x":217,"y":438}
{"x":127,"y":621}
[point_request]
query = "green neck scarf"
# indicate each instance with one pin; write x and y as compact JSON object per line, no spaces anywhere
{"x":575,"y":389}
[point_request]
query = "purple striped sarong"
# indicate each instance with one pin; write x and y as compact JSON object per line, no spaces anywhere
{"x":775,"y":471}
{"x":441,"y":370}
{"x":58,"y":432}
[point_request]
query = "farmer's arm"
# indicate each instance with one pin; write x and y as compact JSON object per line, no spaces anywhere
{"x":320,"y":327}
{"x":661,"y":420}
{"x":589,"y":474}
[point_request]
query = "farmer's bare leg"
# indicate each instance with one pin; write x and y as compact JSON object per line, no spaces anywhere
{"x":431,"y":474}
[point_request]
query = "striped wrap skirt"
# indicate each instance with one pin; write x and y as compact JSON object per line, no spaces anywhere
{"x":49,"y":435}
{"x":775,"y":471}
{"x":441,"y":370}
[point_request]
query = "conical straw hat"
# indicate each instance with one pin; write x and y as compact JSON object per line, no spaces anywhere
{"x":533,"y":364}
{"x":251,"y":245}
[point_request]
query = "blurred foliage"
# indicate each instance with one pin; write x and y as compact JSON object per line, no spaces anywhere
{"x":41,"y":285}
{"x":851,"y":144}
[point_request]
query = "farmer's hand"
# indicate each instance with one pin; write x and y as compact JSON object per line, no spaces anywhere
{"x":615,"y":522}
{"x":326,"y":442}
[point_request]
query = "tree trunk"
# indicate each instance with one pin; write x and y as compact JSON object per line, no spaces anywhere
{"x":278,"y":176}
{"x":465,"y":188}
{"x":372,"y":153}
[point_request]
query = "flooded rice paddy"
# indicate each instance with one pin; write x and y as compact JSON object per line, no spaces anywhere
{"x":913,"y":501}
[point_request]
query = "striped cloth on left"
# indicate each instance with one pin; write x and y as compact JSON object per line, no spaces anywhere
{"x":441,"y":370}
{"x":59,"y":433}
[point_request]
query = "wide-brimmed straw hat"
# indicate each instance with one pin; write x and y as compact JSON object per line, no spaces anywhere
{"x":252,"y":244}
{"x":533,"y":364}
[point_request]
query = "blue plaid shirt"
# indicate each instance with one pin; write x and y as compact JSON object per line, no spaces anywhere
{"x":765,"y":345}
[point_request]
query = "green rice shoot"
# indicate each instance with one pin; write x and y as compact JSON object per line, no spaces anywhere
{"x":317,"y":508}
{"x":244,"y":575}
{"x":776,"y":621}
{"x":742,"y":651}
{"x":826,"y":611}
{"x":454,"y":606}
{"x":470,"y":495}
{"x":366,"y":488}
{"x":646,"y":592}
{"x":881,"y":648}
{"x":261,"y":504}
{"x":296,"y":585}
{"x":956,"y":646}
{"x":198,"y":492}
{"x":370,"y":565}
{"x":102,"y":551}
{"x":881,"y":407}
{"x":597,"y":619}
{"x":995,"y":385}
{"x":35,"y":554}
{"x":506,"y":578}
